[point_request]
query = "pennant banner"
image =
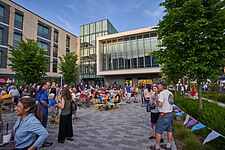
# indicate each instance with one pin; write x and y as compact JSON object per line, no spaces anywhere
{"x":186,"y":119}
{"x":177,"y":110}
{"x":211,"y":136}
{"x":180,"y":113}
{"x":198,"y":127}
{"x":191,"y":122}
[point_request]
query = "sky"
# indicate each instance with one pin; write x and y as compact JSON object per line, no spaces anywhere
{"x":125,"y":15}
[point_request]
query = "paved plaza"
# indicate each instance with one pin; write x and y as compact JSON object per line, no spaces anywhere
{"x":125,"y":128}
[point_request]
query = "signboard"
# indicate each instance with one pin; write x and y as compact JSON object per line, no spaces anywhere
{"x":5,"y":80}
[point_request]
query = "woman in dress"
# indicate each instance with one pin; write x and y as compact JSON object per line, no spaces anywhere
{"x":65,"y":124}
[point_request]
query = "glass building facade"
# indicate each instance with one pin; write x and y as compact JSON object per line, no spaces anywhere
{"x":88,"y":35}
{"x":130,"y":52}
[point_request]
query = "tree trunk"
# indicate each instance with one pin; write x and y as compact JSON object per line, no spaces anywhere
{"x":199,"y":95}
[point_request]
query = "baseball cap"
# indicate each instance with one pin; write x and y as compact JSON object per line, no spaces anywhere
{"x":164,"y":83}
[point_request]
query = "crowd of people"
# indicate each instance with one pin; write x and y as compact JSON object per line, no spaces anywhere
{"x":34,"y":104}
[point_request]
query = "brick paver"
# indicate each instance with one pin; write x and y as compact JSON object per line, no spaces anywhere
{"x":126,"y":128}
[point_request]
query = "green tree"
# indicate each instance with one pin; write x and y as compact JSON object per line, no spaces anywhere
{"x":28,"y":61}
{"x":69,"y":68}
{"x":192,"y":34}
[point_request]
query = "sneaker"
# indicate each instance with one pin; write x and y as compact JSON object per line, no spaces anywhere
{"x":153,"y":147}
{"x":164,"y":147}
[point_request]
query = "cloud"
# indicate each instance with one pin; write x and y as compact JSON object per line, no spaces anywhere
{"x":66,"y":23}
{"x":78,"y":12}
{"x":133,"y":6}
{"x":155,"y":14}
{"x":71,"y":7}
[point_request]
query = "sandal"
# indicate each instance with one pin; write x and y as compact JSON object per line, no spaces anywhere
{"x":164,"y":147}
{"x":153,"y":147}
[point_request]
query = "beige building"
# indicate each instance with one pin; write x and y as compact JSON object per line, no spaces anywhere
{"x":18,"y":23}
{"x":124,"y":57}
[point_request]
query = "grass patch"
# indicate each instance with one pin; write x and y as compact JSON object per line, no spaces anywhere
{"x":214,"y":96}
{"x":212,"y":115}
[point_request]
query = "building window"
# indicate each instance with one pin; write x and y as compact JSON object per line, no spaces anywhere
{"x":1,"y":36}
{"x":55,"y":51}
{"x":43,"y":46}
{"x":18,"y":22}
{"x":0,"y":58}
{"x":67,"y":43}
{"x":2,"y":13}
{"x":43,"y":31}
{"x":54,"y":65}
{"x":16,"y":39}
{"x":56,"y":35}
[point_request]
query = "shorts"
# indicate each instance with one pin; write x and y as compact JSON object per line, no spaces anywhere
{"x":165,"y":123}
{"x":128,"y":94}
{"x":154,"y":117}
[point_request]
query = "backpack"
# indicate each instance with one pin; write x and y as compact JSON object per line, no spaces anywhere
{"x":73,"y":107}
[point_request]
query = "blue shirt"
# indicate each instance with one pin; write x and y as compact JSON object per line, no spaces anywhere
{"x":128,"y":88}
{"x":26,"y":134}
{"x":43,"y":96}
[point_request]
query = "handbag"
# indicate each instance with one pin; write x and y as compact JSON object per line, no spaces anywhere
{"x":73,"y":106}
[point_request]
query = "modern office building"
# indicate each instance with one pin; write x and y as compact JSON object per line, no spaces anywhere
{"x":88,"y":35}
{"x":124,"y":57}
{"x":16,"y":23}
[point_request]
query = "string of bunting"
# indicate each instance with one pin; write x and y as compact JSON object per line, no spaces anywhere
{"x":212,"y":135}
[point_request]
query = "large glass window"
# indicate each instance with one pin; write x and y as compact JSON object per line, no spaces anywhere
{"x":67,"y":43}
{"x":43,"y":46}
{"x":16,"y":39}
{"x":98,"y":26}
{"x":18,"y":22}
{"x":56,"y":35}
{"x":1,"y":36}
{"x":2,"y":13}
{"x":43,"y":31}
{"x":82,"y":30}
{"x":0,"y":58}
{"x":54,"y":65}
{"x":86,"y":29}
{"x":92,"y":28}
{"x":55,"y":51}
{"x":104,"y":25}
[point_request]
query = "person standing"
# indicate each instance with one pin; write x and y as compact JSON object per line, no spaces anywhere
{"x":65,"y":124}
{"x":164,"y":123}
{"x":15,"y":94}
{"x":147,"y":97}
{"x":28,"y":133}
{"x":128,"y":91}
{"x":42,"y":98}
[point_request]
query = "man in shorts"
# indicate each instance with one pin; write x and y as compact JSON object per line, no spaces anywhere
{"x":164,"y":123}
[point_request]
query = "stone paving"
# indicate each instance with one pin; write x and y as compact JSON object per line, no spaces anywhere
{"x":125,"y":128}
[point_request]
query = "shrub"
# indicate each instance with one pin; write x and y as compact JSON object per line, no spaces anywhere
{"x":192,"y":144}
{"x":212,"y":115}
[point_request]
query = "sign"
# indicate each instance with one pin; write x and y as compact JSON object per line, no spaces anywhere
{"x":5,"y":80}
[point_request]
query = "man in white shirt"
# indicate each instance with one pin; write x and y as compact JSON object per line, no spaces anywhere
{"x":164,"y":123}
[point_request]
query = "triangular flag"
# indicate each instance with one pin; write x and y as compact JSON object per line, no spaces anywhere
{"x":180,"y":113}
{"x":186,"y":119}
{"x":197,"y":127}
{"x":191,"y":122}
{"x":177,"y":110}
{"x":211,"y":136}
{"x":174,"y":106}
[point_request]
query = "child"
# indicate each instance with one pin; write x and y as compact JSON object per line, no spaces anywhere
{"x":53,"y":111}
